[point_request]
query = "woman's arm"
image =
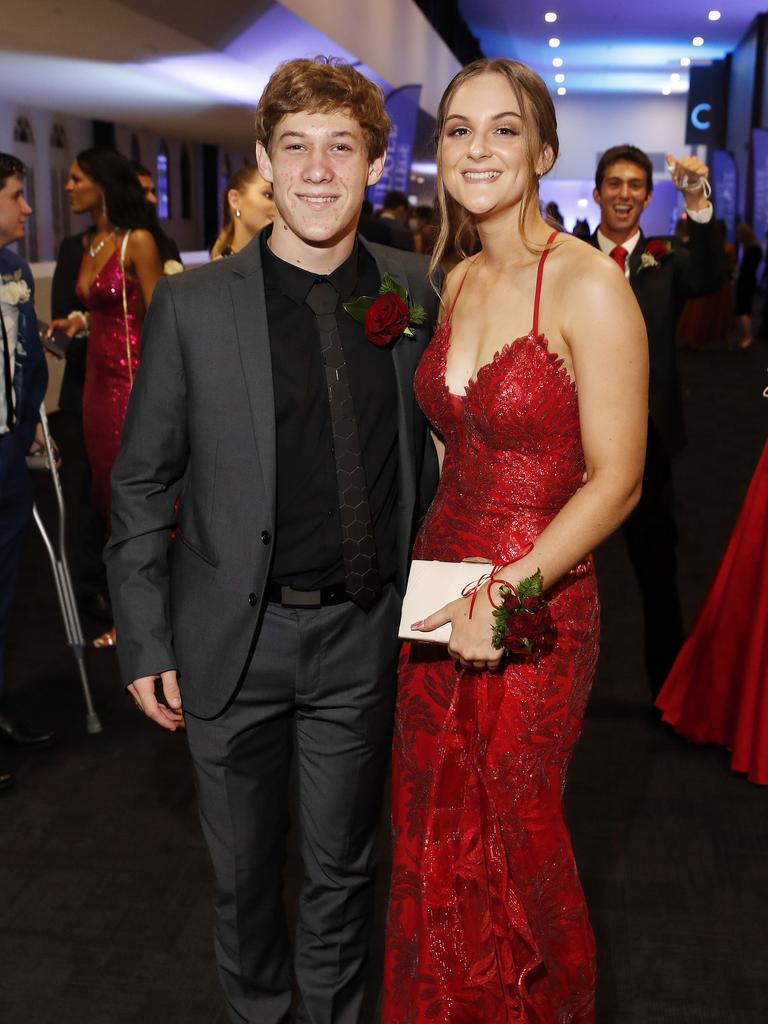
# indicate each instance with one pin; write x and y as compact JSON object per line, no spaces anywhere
{"x":142,"y":258}
{"x":604,"y":328}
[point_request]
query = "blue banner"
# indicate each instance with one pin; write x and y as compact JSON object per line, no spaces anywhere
{"x":403,"y":109}
{"x":760,"y":183}
{"x":725,"y":189}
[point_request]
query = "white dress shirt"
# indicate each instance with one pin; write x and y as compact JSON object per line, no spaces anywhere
{"x":10,"y":316}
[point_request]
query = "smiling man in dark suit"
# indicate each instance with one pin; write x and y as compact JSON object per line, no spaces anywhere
{"x":302,"y":464}
{"x":662,"y":278}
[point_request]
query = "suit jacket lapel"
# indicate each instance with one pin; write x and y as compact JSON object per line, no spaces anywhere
{"x":634,"y":259}
{"x":405,"y":357}
{"x":250,"y":314}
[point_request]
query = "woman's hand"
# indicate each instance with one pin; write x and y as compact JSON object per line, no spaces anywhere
{"x":69,"y":325}
{"x":470,"y":643}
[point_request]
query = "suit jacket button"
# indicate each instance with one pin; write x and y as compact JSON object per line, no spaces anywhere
{"x":252,"y":600}
{"x":266,"y":536}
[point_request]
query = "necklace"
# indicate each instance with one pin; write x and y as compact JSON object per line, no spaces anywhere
{"x":94,"y":250}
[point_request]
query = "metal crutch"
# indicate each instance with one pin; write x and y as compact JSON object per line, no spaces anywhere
{"x":63,"y":580}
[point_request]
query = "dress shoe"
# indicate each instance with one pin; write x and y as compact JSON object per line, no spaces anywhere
{"x":15,"y":734}
{"x":6,"y":779}
{"x":108,"y":639}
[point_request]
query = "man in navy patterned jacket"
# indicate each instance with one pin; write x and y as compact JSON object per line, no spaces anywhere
{"x":23,"y":380}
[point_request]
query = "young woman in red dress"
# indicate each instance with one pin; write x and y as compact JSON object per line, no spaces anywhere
{"x":536,"y":385}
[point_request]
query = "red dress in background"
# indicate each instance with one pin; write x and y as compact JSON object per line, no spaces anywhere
{"x":108,"y":374}
{"x":717,"y":690}
{"x":487,"y":921}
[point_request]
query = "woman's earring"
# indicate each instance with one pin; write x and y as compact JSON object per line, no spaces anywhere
{"x":237,"y":213}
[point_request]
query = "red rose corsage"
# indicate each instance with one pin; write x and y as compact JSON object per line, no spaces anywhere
{"x":523,"y":618}
{"x":388,"y":315}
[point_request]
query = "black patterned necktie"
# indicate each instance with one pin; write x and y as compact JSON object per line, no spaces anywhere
{"x":361,"y":571}
{"x":7,"y":374}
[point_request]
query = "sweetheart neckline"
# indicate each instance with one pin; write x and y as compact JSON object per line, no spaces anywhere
{"x":556,"y":360}
{"x":81,"y":291}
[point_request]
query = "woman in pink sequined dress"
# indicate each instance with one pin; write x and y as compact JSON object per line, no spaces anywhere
{"x":119,"y":270}
{"x":536,"y":386}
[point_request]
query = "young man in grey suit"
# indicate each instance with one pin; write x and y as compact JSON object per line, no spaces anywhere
{"x":662,"y":278}
{"x":301,"y":464}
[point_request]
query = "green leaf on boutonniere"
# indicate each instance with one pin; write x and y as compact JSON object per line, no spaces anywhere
{"x":389,"y":284}
{"x":359,"y":307}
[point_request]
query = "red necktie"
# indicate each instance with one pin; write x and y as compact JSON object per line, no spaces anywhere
{"x":619,"y":253}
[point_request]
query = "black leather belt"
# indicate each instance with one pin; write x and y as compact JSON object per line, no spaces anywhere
{"x":290,"y":598}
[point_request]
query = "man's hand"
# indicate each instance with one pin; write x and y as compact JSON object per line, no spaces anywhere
{"x":691,"y":176}
{"x":168,"y":715}
{"x":38,"y":446}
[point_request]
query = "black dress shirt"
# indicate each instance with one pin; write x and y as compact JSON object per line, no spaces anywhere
{"x":307,"y":533}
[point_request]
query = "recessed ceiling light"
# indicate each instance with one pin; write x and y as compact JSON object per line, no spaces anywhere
{"x":582,"y":202}
{"x":685,"y":62}
{"x":674,"y":77}
{"x":698,"y":41}
{"x":714,"y":15}
{"x":560,"y":77}
{"x":550,"y":16}
{"x":667,"y":90}
{"x":554,"y":42}
{"x":557,"y":62}
{"x":562,"y":91}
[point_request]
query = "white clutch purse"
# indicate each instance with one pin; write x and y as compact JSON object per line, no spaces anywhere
{"x":430,"y":586}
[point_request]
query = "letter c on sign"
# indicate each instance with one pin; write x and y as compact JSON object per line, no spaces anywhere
{"x":697,"y":119}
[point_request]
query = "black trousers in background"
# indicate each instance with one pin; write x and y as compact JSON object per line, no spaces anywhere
{"x":321,"y":687}
{"x":651,"y":537}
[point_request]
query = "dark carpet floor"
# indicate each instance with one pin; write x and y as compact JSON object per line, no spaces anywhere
{"x":104,"y":883}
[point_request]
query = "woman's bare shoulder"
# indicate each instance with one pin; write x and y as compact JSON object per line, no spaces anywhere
{"x":578,"y":262}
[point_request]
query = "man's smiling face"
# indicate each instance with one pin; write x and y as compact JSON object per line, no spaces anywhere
{"x":622,"y":197}
{"x":319,"y":168}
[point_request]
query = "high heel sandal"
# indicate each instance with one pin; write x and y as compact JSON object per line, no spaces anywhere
{"x":108,"y":639}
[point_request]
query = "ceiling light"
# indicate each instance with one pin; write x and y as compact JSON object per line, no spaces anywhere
{"x":561,"y":91}
{"x":714,"y":15}
{"x":560,"y":77}
{"x":582,"y":202}
{"x":674,"y":77}
{"x":685,"y":62}
{"x":667,"y":90}
{"x":557,"y":62}
{"x":550,"y":16}
{"x":554,"y":42}
{"x":698,"y":41}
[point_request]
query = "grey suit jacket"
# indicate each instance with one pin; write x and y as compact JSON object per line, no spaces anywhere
{"x":198,"y":457}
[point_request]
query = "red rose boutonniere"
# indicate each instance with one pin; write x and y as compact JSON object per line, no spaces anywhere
{"x":655,"y":252}
{"x":388,"y":315}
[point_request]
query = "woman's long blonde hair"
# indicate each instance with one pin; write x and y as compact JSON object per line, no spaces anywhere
{"x":457,"y":233}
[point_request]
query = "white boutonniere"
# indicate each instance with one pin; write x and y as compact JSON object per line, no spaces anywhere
{"x":14,"y":290}
{"x":646,"y":261}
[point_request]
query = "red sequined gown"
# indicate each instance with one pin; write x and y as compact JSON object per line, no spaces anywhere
{"x":108,"y":374}
{"x":487,"y":921}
